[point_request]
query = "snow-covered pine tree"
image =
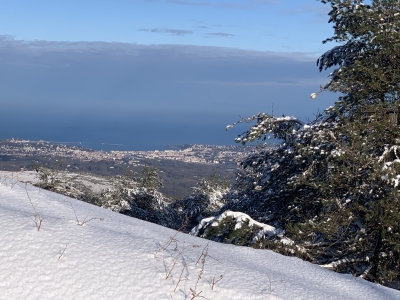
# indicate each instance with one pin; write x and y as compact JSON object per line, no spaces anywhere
{"x":367,"y":60}
{"x":150,"y":179}
{"x":333,"y":184}
{"x":140,"y":198}
{"x":207,"y":198}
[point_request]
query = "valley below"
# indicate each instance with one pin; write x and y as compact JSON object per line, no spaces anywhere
{"x":181,"y":167}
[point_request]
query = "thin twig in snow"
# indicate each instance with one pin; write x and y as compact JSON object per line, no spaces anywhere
{"x":62,"y":253}
{"x":38,"y":220}
{"x":86,"y":220}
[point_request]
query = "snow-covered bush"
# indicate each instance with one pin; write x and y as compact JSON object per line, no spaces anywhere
{"x":234,"y":228}
{"x":136,"y":197}
{"x":139,"y":198}
{"x":149,"y":179}
{"x":116,"y":197}
{"x":206,"y":200}
{"x":61,"y":182}
{"x":152,"y":207}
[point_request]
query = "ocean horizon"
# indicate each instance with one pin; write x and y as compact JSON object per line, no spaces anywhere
{"x":126,"y":138}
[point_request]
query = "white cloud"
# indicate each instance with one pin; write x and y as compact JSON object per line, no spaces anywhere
{"x":295,"y":82}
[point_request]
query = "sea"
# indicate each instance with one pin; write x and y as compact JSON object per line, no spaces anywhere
{"x":145,"y":137}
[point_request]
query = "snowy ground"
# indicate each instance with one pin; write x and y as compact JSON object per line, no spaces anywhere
{"x":112,"y":256}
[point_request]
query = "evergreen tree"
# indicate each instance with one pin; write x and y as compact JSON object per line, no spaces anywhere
{"x":206,"y":200}
{"x":367,"y":61}
{"x":333,"y":184}
{"x":150,"y":179}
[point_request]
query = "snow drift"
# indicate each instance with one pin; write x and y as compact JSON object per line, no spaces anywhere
{"x":57,"y":247}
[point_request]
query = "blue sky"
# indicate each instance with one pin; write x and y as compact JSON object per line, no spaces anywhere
{"x":266,"y":25}
{"x":169,"y":71}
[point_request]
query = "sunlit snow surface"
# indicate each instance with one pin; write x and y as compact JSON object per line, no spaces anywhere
{"x":120,"y":257}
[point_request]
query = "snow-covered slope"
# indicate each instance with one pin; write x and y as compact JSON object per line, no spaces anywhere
{"x":117,"y":257}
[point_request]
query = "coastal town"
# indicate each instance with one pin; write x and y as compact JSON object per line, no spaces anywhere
{"x":202,"y":154}
{"x":181,"y":166}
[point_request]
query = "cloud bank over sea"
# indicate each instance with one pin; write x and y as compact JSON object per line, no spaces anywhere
{"x":155,"y":94}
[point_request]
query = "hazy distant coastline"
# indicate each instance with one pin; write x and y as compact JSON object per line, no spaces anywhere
{"x":129,"y":145}
{"x":181,"y":166}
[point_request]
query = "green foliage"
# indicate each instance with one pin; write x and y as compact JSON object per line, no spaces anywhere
{"x":225,"y":232}
{"x":367,"y":58}
{"x":49,"y":179}
{"x":333,"y":184}
{"x":267,"y":126}
{"x":206,"y":200}
{"x":55,"y":180}
{"x":150,"y":179}
{"x":361,"y":197}
{"x":212,"y":183}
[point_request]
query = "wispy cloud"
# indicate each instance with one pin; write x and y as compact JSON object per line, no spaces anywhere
{"x":192,"y":3}
{"x":246,"y":4}
{"x":220,"y":3}
{"x":295,"y":82}
{"x":184,"y":2}
{"x":177,"y":32}
{"x":43,"y":50}
{"x":320,"y":12}
{"x":222,"y":34}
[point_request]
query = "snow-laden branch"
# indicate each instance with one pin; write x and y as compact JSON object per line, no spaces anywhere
{"x":281,"y":128}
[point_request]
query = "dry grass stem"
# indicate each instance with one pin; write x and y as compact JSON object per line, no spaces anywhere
{"x":196,"y":295}
{"x":214,"y":282}
{"x":86,"y":220}
{"x":172,"y":239}
{"x":324,"y":278}
{"x":166,"y":245}
{"x":205,"y":253}
{"x":175,"y":261}
{"x":202,"y":258}
{"x":168,"y":272}
{"x":270,"y":282}
{"x":3,"y":179}
{"x":38,"y":219}
{"x":180,"y":277}
{"x":16,"y":181}
{"x":62,"y":253}
{"x":180,"y":259}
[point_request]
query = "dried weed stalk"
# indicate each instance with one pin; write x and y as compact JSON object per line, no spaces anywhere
{"x":214,"y":281}
{"x":196,"y":295}
{"x":37,"y":218}
{"x":180,"y":276}
{"x":270,"y":282}
{"x":181,"y":258}
{"x":62,"y":253}
{"x":86,"y":220}
{"x":172,"y":239}
{"x":175,"y":261}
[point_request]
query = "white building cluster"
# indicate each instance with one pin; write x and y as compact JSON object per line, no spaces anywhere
{"x":203,"y":154}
